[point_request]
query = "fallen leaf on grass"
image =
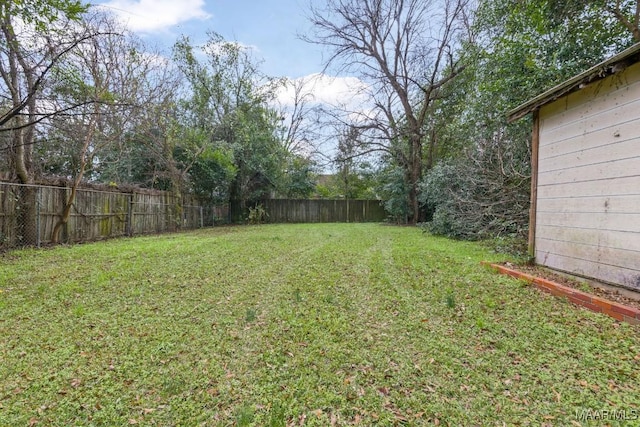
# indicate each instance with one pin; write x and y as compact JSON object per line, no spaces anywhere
{"x":334,"y":420}
{"x":383,"y":391}
{"x":401,"y":418}
{"x":429,"y":389}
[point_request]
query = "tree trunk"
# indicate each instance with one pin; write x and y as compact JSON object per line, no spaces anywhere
{"x":64,"y":216}
{"x":238,"y":203}
{"x":415,"y":174}
{"x":66,"y":211}
{"x":177,"y":205}
{"x":27,"y":216}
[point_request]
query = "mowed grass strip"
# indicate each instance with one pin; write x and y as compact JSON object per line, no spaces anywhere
{"x":331,"y":324}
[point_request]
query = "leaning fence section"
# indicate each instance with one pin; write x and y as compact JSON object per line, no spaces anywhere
{"x":34,"y":215}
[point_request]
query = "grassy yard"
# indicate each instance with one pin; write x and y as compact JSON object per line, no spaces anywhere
{"x":313,"y":325}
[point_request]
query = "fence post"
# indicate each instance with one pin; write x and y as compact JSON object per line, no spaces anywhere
{"x":347,"y":209}
{"x":38,"y":220}
{"x":130,"y":216}
{"x":201,"y":217}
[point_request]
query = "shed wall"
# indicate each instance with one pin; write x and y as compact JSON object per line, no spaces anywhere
{"x":588,"y":186}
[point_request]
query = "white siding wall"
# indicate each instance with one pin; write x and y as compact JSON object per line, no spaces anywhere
{"x":588,"y":208}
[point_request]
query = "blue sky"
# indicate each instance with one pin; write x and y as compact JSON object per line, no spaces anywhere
{"x":270,"y":27}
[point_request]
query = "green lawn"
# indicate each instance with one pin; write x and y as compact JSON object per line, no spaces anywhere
{"x":334,"y":324}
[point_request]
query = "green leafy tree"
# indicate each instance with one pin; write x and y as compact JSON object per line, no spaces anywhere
{"x":42,"y":13}
{"x":228,"y":109}
{"x":393,"y":191}
{"x":211,"y":174}
{"x":521,"y":49}
{"x":355,"y":177}
{"x":299,"y":178}
{"x":617,"y":15}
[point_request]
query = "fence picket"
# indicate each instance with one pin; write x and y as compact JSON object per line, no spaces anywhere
{"x":96,"y":214}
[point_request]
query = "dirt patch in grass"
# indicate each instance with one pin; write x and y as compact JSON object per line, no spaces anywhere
{"x":600,"y":290}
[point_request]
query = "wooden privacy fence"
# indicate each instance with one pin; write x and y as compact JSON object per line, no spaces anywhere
{"x":320,"y":210}
{"x":28,"y":214}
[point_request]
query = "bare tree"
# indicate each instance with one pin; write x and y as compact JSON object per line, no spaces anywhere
{"x":34,"y":38}
{"x":405,"y":50}
{"x":107,"y":82}
{"x":30,"y":52}
{"x":300,"y":117}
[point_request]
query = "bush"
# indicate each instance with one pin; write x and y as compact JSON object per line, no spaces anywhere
{"x":482,"y":196}
{"x":395,"y":193}
{"x":257,"y":215}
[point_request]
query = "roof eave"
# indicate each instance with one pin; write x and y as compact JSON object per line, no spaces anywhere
{"x":611,"y":66}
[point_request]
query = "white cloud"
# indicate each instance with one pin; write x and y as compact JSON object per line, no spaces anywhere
{"x":149,"y":16}
{"x":346,"y":92}
{"x":346,"y":96}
